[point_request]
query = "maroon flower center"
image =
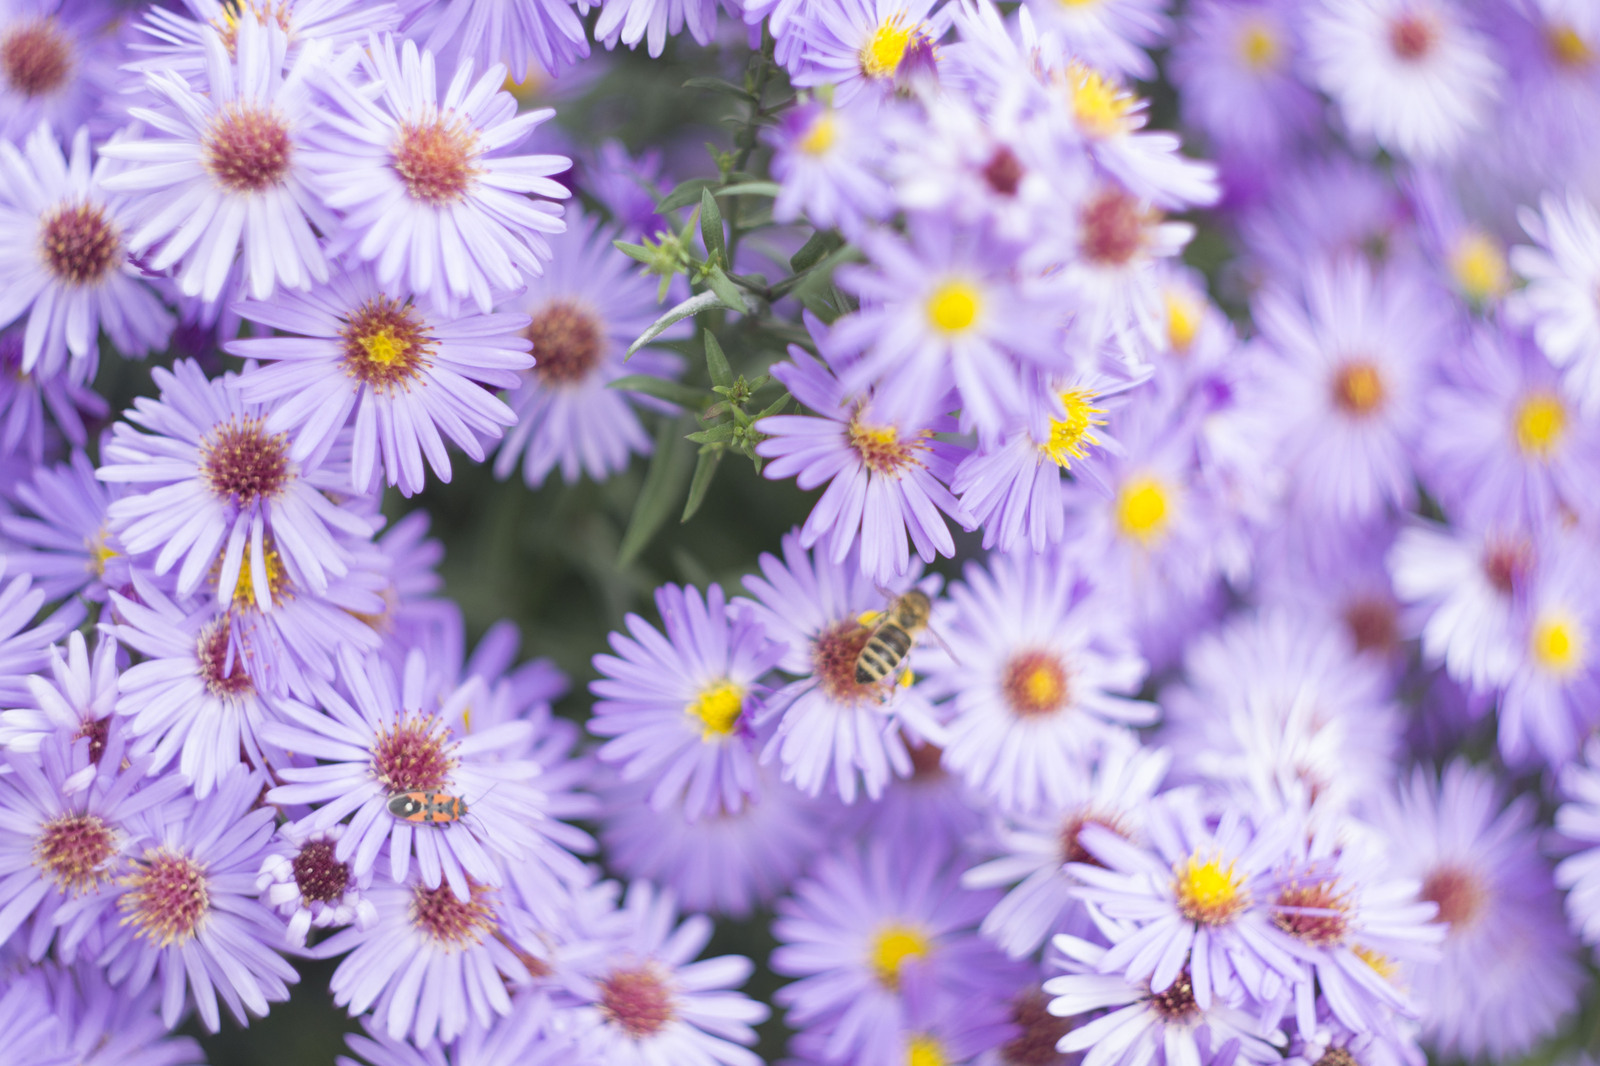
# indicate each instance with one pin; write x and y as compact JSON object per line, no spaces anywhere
{"x":1041,"y":1031}
{"x":247,"y":148}
{"x":1035,"y":683}
{"x":1114,"y":228}
{"x":80,"y":244}
{"x":1337,"y":1056}
{"x":1506,"y":562}
{"x":74,"y":851}
{"x":224,"y":679}
{"x":95,"y":729}
{"x":1372,"y":624}
{"x":833,"y":659}
{"x":167,"y":897}
{"x":637,"y":1000}
{"x":927,"y":761}
{"x":453,"y":923}
{"x":881,"y":449}
{"x":1071,"y":837}
{"x":1412,"y":37}
{"x":262,"y":11}
{"x":35,"y":57}
{"x":1461,"y":896}
{"x":414,"y":756}
{"x":242,"y":462}
{"x":566,"y":343}
{"x":321,"y":877}
{"x":436,"y":160}
{"x":386,"y":344}
{"x":1177,"y":1003}
{"x":1314,"y":913}
{"x":1004,"y":171}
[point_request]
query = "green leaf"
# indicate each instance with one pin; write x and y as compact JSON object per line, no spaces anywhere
{"x":663,"y":484}
{"x":711,"y":228}
{"x":700,"y":301}
{"x":636,"y":252}
{"x":726,"y":291}
{"x":715,"y":435}
{"x":717,"y":85}
{"x":705,"y":468}
{"x":660,"y":388}
{"x":684,"y":195}
{"x":750,"y":188}
{"x":717,"y":362}
{"x":810,"y":254}
{"x":772,"y":408}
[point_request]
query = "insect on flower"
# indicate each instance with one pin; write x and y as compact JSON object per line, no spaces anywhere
{"x":427,"y":807}
{"x":893,"y":634}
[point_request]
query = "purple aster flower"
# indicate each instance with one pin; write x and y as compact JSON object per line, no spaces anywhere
{"x":648,"y":1001}
{"x":487,"y":32}
{"x":1394,"y":1044}
{"x":64,"y":259}
{"x":230,"y":177}
{"x":1038,"y":675}
{"x":189,"y":913}
{"x":177,"y":42}
{"x":525,"y":1038}
{"x":406,"y":374}
{"x":70,"y":823}
{"x":1035,"y":848}
{"x":1036,"y":1032}
{"x":76,"y":700}
{"x":209,"y":479}
{"x":1508,"y":974}
{"x":1578,"y":822}
{"x":65,"y":543}
{"x":827,"y":161}
{"x":860,"y":44}
{"x":386,"y":737}
{"x":57,"y":64}
{"x":830,"y":727}
{"x":1113,"y":35}
{"x":870,"y":932}
{"x":303,"y":879}
{"x":628,"y":187}
{"x":424,"y":186}
{"x":1327,"y":209}
{"x":1412,"y":75}
{"x":886,"y":474}
{"x":632,"y":21}
{"x":678,"y":706}
{"x":25,"y":646}
{"x":37,"y":407}
{"x":1563,"y":271}
{"x":587,"y":308}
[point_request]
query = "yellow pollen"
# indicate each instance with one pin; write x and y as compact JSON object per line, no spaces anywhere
{"x":1358,"y":388}
{"x":1541,"y":421}
{"x":1557,"y":642}
{"x":1043,"y":686}
{"x":100,"y":553}
{"x":1207,"y":891}
{"x":244,"y":590}
{"x":383,"y":347}
{"x":924,"y":1050}
{"x":820,"y":137}
{"x":1101,"y":105}
{"x":1567,"y":48}
{"x":1479,"y":267}
{"x":1183,"y":319}
{"x":1071,"y":435}
{"x":718,"y":709}
{"x":1380,"y":963}
{"x":880,"y":56}
{"x":893,"y":945}
{"x":1079,"y":3}
{"x":1260,"y":48}
{"x":1142,"y":509}
{"x":954,"y":306}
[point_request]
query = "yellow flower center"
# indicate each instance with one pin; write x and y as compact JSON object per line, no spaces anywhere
{"x":891,"y":947}
{"x":1143,"y":510}
{"x":1381,"y":964}
{"x":880,"y":56}
{"x":718,"y":709}
{"x":1358,"y":388}
{"x":1540,"y":421}
{"x":384,"y":348}
{"x":1100,"y":105}
{"x":244,"y":589}
{"x":1259,"y":47}
{"x":1567,"y":48}
{"x":1208,"y":892}
{"x":922,"y":1049}
{"x":1557,"y":642}
{"x":1072,"y":434}
{"x":1479,"y":267}
{"x":820,"y":137}
{"x":954,"y":306}
{"x":100,"y":553}
{"x":1183,"y":319}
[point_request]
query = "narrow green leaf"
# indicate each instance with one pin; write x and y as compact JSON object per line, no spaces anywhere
{"x":715,"y":435}
{"x":726,"y":291}
{"x":717,"y":362}
{"x":750,"y":188}
{"x":810,"y":254}
{"x":658,"y":496}
{"x":700,"y":301}
{"x":717,"y":85}
{"x":704,"y":470}
{"x":662,"y":389}
{"x":772,"y":408}
{"x":636,"y":252}
{"x":685,"y":194}
{"x":711,"y":228}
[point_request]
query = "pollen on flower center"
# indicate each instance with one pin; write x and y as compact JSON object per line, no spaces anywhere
{"x":320,"y":877}
{"x":892,"y":945}
{"x":227,"y":24}
{"x":1540,"y":422}
{"x":74,"y":851}
{"x":1557,"y":642}
{"x":1034,"y":683}
{"x":1411,"y":37}
{"x":247,"y":148}
{"x":1337,"y":1056}
{"x":1208,"y":892}
{"x":718,"y":708}
{"x":35,"y":57}
{"x":80,"y":244}
{"x":95,"y":731}
{"x":224,"y":674}
{"x":167,"y":898}
{"x":880,"y":56}
{"x":1142,"y":509}
{"x":450,"y":922}
{"x":638,"y":1001}
{"x":1260,"y":48}
{"x":245,"y":594}
{"x":566,"y":343}
{"x":386,"y":344}
{"x":820,"y":135}
{"x":1459,"y":893}
{"x":1183,"y":319}
{"x":1314,"y":913}
{"x":925,"y":1050}
{"x":1071,"y":837}
{"x":834,"y":652}
{"x":1567,"y":48}
{"x":1038,"y":1033}
{"x":437,"y":160}
{"x":415,"y":755}
{"x":1479,"y":267}
{"x":1073,"y":434}
{"x":1358,"y":388}
{"x":1115,"y":227}
{"x":1004,"y":171}
{"x":242,"y":462}
{"x":1177,"y":1002}
{"x":881,"y":449}
{"x":1100,"y":105}
{"x":954,"y":306}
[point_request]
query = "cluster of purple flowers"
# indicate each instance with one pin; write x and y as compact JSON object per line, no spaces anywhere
{"x":1173,"y":771}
